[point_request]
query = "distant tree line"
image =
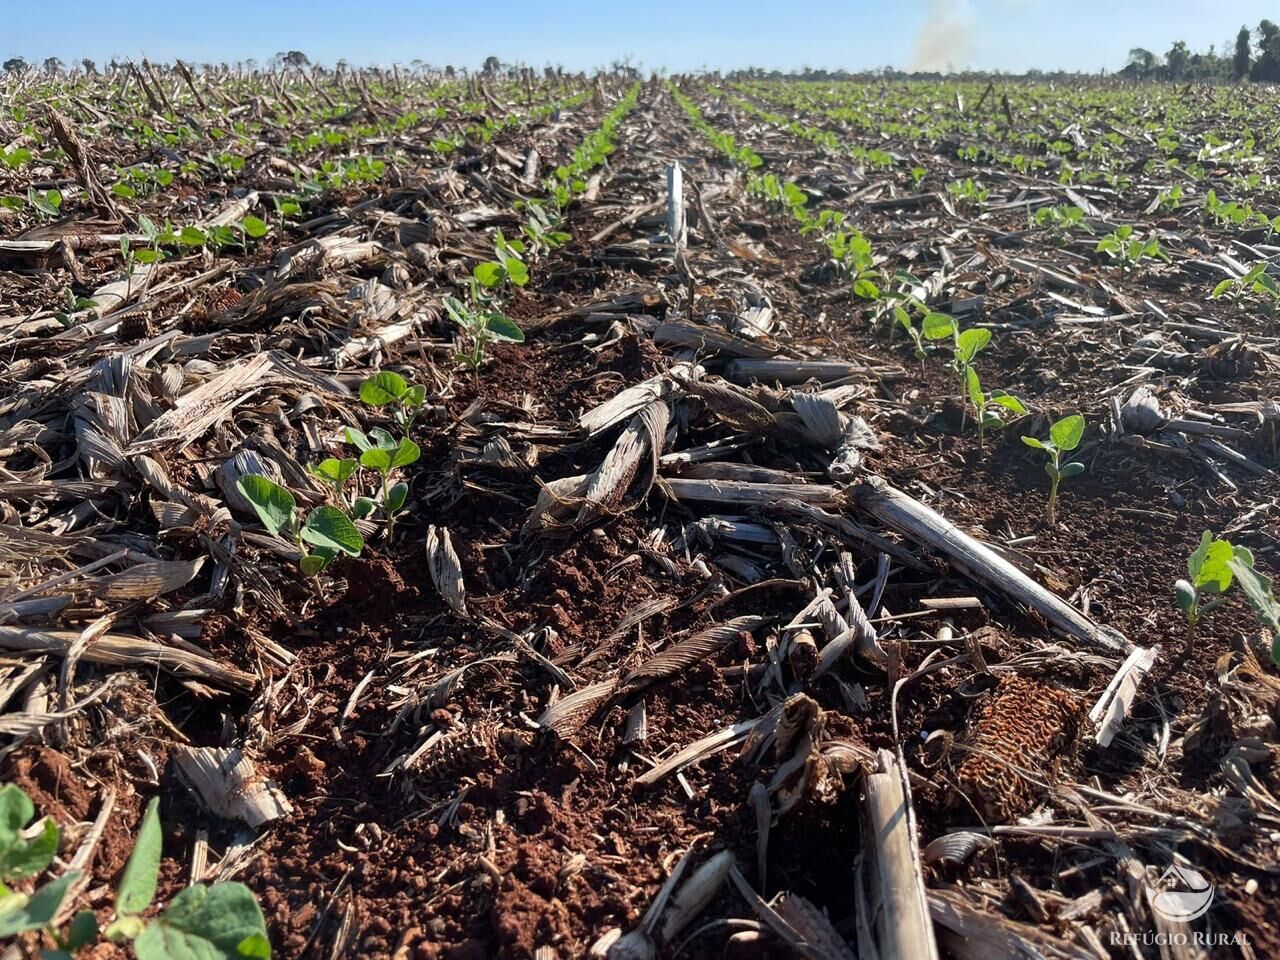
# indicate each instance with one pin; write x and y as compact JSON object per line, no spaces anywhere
{"x":1256,"y":57}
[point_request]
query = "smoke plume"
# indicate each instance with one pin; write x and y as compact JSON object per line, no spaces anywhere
{"x":944,"y":39}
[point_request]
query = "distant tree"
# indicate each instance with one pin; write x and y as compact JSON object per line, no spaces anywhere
{"x":1177,"y":60}
{"x":15,"y":65}
{"x":89,"y":66}
{"x":1142,"y":62}
{"x":491,"y":65}
{"x":1267,"y":67}
{"x":53,"y":65}
{"x":1244,"y":54}
{"x":296,"y":58}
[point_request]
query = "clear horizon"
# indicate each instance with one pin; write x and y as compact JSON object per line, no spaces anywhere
{"x":988,"y":35}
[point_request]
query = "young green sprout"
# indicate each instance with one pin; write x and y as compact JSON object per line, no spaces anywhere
{"x":1064,"y":436}
{"x":1259,"y":594}
{"x":480,"y":327}
{"x":325,"y":533}
{"x":990,"y":407}
{"x":388,"y":388}
{"x":1124,"y":248}
{"x":1209,"y":570}
{"x":382,"y":453}
{"x":508,"y":267}
{"x":221,"y":920}
{"x":965,"y":345}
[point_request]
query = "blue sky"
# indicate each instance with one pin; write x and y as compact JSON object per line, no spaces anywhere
{"x":686,"y":35}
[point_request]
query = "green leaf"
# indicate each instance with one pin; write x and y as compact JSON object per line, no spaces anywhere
{"x":903,"y":318}
{"x":500,"y":327}
{"x":1197,"y":558}
{"x":147,"y":256}
{"x":1257,"y":591}
{"x":376,"y":459}
{"x":334,"y":470}
{"x":415,"y":397}
{"x":970,"y":342}
{"x":192,"y":237}
{"x":138,"y":882}
{"x":406,"y":452}
{"x":255,"y":227}
{"x":383,"y":439}
{"x":386,"y":387}
{"x":517,"y":272}
{"x":27,"y":858}
{"x":222,"y":922}
{"x":1073,"y":469}
{"x":1033,"y":442}
{"x":974,"y":386}
{"x":273,"y":504}
{"x":19,"y":913}
{"x":313,"y":564}
{"x":396,"y":497}
{"x":937,"y":326}
{"x":866,"y":289}
{"x":357,"y":439}
{"x":1067,"y":432}
{"x":1214,"y":571}
{"x":361,"y":508}
{"x":1185,"y":595}
{"x":1008,"y":401}
{"x":489,"y":273}
{"x":329,"y":527}
{"x":82,"y":931}
{"x":16,"y":811}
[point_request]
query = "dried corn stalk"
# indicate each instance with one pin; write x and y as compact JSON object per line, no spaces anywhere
{"x":688,"y":652}
{"x":446,"y":571}
{"x":229,"y":785}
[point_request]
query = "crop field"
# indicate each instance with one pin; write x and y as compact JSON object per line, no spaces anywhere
{"x":542,"y":515}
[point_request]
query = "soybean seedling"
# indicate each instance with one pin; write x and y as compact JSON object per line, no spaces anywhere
{"x":1256,"y":280}
{"x":388,"y":388}
{"x":965,"y":344}
{"x":325,"y":533}
{"x":1064,"y":436}
{"x":1127,"y":250}
{"x":382,"y":453}
{"x":1209,"y":572}
{"x":508,"y":267}
{"x":1257,"y":590}
{"x":480,"y":327}
{"x":990,"y":407}
{"x":221,"y":921}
